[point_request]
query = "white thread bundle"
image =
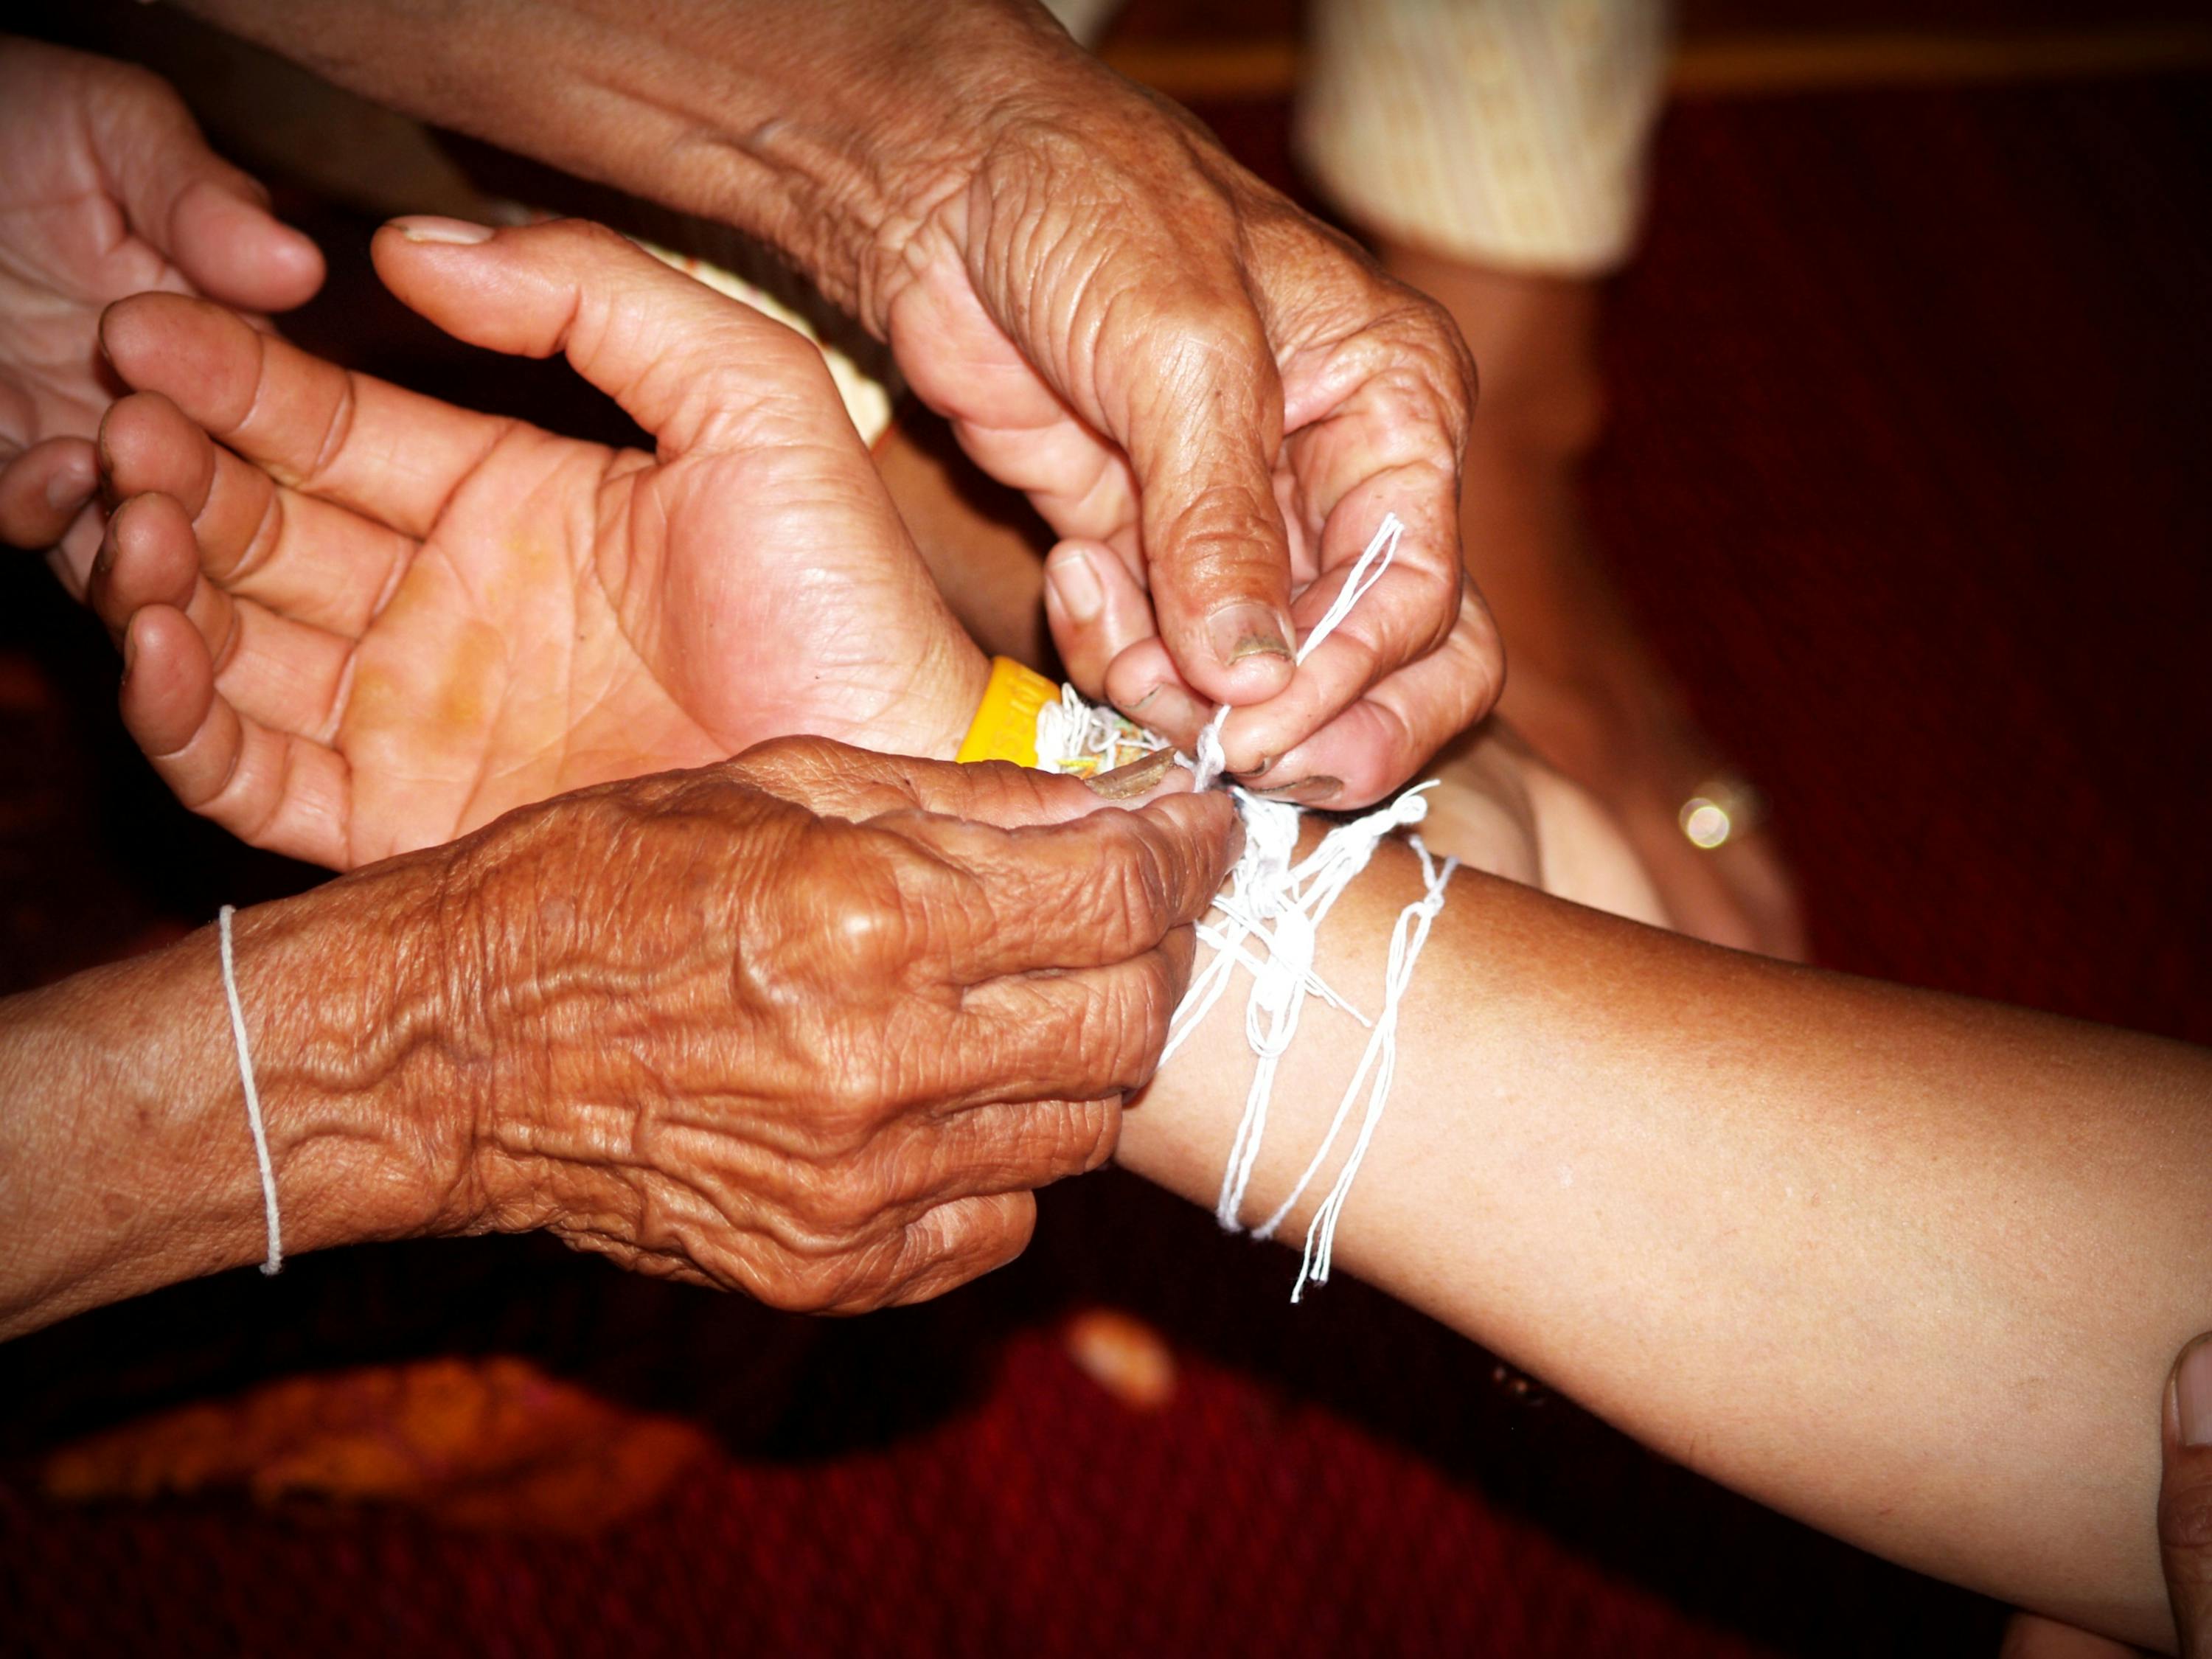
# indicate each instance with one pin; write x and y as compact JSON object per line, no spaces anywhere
{"x":1367,"y":571}
{"x":1086,"y":739}
{"x":1407,"y":936}
{"x":1284,"y":908}
{"x":1280,"y":908}
{"x":276,"y":1259}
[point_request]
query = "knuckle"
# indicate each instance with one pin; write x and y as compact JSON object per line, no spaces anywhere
{"x":846,"y":920}
{"x":1125,"y":1024}
{"x":850,"y":1206}
{"x":1130,"y":898}
{"x":817,"y":1284}
{"x":1088,"y":1130}
{"x":1012,"y":1224}
{"x":586,"y":237}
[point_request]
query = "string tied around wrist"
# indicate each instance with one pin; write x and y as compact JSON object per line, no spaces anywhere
{"x":1267,"y":921}
{"x":275,"y":1262}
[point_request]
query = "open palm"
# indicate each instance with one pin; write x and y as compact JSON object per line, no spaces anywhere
{"x":357,"y":620}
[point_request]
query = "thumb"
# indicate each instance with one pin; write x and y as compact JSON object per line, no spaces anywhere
{"x":692,"y":368}
{"x":203,"y":215}
{"x":2185,"y":1500}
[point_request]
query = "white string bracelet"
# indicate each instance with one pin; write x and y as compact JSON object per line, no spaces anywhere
{"x":1270,"y":919}
{"x":275,"y":1261}
{"x":1407,"y":936}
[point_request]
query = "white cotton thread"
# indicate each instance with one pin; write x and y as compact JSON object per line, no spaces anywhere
{"x":1085,"y":738}
{"x":1279,"y":908}
{"x":1296,"y":901}
{"x":1407,"y":935}
{"x":275,"y":1261}
{"x":1367,"y":571}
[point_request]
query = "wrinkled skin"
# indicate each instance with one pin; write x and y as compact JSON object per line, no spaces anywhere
{"x":1194,"y":380}
{"x":809,"y":1024}
{"x":1171,"y":359}
{"x":109,"y":190}
{"x":358,"y":620}
{"x":783,"y":1026}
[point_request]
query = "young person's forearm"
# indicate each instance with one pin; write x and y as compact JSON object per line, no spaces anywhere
{"x":1908,"y":1266}
{"x":825,"y":127}
{"x":126,"y":1161}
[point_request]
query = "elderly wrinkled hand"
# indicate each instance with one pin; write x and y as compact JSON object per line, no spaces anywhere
{"x":1213,"y":400}
{"x":108,"y":189}
{"x":1183,"y":371}
{"x":358,"y":620}
{"x":811,"y":1024}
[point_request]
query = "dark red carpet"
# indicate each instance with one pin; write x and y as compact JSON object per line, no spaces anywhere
{"x":1909,"y":479}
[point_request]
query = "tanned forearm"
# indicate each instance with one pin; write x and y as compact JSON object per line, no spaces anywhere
{"x":1908,"y":1266}
{"x":823,"y":127}
{"x":125,"y":1158}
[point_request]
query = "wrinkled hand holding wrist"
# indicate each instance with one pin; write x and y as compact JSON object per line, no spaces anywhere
{"x":805,"y":1024}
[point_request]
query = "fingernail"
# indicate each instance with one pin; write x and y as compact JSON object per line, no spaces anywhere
{"x":1137,"y":778}
{"x":454,"y":232}
{"x":1076,"y":586}
{"x":1319,"y":787}
{"x":1239,"y":631}
{"x":2192,"y":1388}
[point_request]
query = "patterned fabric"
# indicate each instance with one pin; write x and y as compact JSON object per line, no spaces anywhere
{"x":1511,"y":132}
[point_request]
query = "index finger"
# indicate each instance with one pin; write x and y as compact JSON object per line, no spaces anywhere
{"x":826,"y":776}
{"x":1097,"y":891}
{"x":1201,"y":432}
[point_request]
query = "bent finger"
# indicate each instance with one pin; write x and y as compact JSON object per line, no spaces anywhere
{"x":301,"y":557}
{"x":180,"y":197}
{"x":274,"y":672}
{"x":960,"y":1241}
{"x":393,"y":456}
{"x":1376,"y":743}
{"x":1202,"y":435}
{"x":2185,"y":1499}
{"x":1101,"y":889}
{"x":272,"y":790}
{"x":1082,"y":1034}
{"x":1013,"y":1146}
{"x":839,"y":781}
{"x":44,"y":489}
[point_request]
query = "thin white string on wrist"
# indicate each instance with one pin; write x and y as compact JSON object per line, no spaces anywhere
{"x":275,"y":1261}
{"x":1270,"y":921}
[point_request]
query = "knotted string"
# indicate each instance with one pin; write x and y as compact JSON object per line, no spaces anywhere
{"x":1270,"y":918}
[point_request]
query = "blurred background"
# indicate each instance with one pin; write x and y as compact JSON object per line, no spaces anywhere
{"x":1903,"y":480}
